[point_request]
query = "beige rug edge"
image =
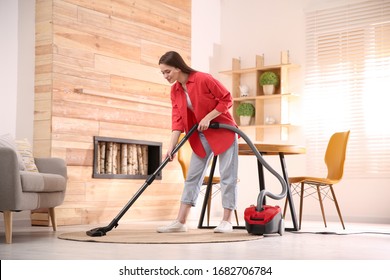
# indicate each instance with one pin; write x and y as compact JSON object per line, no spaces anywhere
{"x":148,"y":236}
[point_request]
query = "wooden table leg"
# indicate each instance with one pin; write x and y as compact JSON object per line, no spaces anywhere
{"x":208,"y":192}
{"x":289,"y":195}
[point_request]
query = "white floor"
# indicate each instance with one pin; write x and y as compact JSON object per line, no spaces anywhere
{"x":360,"y":252}
{"x":357,"y":242}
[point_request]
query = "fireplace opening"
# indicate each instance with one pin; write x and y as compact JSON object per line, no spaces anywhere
{"x":125,"y":158}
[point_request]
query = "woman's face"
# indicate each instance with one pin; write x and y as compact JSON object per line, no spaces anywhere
{"x":171,"y":74}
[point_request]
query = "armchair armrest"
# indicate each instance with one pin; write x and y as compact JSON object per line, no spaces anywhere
{"x":10,"y":185}
{"x":52,"y":166}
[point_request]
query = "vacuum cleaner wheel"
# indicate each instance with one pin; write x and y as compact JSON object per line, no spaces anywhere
{"x":281,"y":227}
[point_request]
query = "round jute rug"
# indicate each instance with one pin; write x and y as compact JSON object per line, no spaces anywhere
{"x":150,"y":236}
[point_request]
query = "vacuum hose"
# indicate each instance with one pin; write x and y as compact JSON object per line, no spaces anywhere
{"x":263,"y":193}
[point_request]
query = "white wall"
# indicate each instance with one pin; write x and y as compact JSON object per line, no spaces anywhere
{"x":17,"y":54}
{"x":26,"y":70}
{"x":205,"y":32}
{"x":255,"y":27}
{"x":17,"y":49}
{"x":8,"y":65}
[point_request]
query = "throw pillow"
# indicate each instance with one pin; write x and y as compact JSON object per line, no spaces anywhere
{"x":8,"y":141}
{"x":25,"y":150}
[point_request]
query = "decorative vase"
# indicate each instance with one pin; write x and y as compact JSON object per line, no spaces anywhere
{"x":245,"y":120}
{"x":244,"y":91}
{"x":268,"y":89}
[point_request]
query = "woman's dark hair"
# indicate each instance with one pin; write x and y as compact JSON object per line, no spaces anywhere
{"x":174,"y":59}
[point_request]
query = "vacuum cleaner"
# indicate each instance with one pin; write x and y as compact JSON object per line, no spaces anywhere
{"x":101,"y":231}
{"x":261,"y":219}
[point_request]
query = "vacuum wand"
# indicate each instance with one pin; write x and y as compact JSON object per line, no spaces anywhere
{"x":263,"y":193}
{"x":101,"y":231}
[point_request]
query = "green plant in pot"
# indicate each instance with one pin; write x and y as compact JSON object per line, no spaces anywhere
{"x":245,"y":111}
{"x":269,"y":80}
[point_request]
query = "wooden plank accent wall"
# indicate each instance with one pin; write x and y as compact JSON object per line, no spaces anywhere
{"x":97,"y":75}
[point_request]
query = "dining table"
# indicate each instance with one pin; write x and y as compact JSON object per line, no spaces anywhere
{"x":244,"y":149}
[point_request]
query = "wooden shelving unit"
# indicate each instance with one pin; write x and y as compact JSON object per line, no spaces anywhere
{"x":282,"y":96}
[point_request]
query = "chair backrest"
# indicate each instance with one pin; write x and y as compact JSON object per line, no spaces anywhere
{"x":184,"y":156}
{"x":335,"y":155}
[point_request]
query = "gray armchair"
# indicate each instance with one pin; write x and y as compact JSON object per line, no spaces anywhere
{"x":25,"y":190}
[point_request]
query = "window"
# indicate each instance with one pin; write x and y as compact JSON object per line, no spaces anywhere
{"x":348,"y":84}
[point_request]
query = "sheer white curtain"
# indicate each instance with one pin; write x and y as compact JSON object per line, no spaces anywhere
{"x":347,"y":85}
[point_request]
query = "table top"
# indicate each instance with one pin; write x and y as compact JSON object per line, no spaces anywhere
{"x":271,"y":149}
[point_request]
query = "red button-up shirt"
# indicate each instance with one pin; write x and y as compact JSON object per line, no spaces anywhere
{"x":206,"y":94}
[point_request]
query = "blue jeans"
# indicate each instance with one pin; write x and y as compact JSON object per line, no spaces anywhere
{"x":228,"y":169}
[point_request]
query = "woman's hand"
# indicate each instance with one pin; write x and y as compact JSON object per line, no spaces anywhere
{"x":205,"y":122}
{"x":169,"y":154}
{"x":172,"y":144}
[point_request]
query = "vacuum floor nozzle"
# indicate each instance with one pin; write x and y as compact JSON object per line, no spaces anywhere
{"x":97,"y":232}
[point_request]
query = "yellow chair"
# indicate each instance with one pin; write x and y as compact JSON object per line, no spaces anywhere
{"x":184,"y":158}
{"x":334,"y":160}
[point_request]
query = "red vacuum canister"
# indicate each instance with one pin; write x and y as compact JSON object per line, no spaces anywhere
{"x":265,"y":221}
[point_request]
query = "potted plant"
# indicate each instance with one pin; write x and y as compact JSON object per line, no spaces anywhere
{"x":269,"y":80}
{"x":245,"y":111}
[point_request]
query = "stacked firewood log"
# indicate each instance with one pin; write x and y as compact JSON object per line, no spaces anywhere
{"x":122,"y":158}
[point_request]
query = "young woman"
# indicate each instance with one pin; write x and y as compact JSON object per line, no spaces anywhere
{"x":198,"y":98}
